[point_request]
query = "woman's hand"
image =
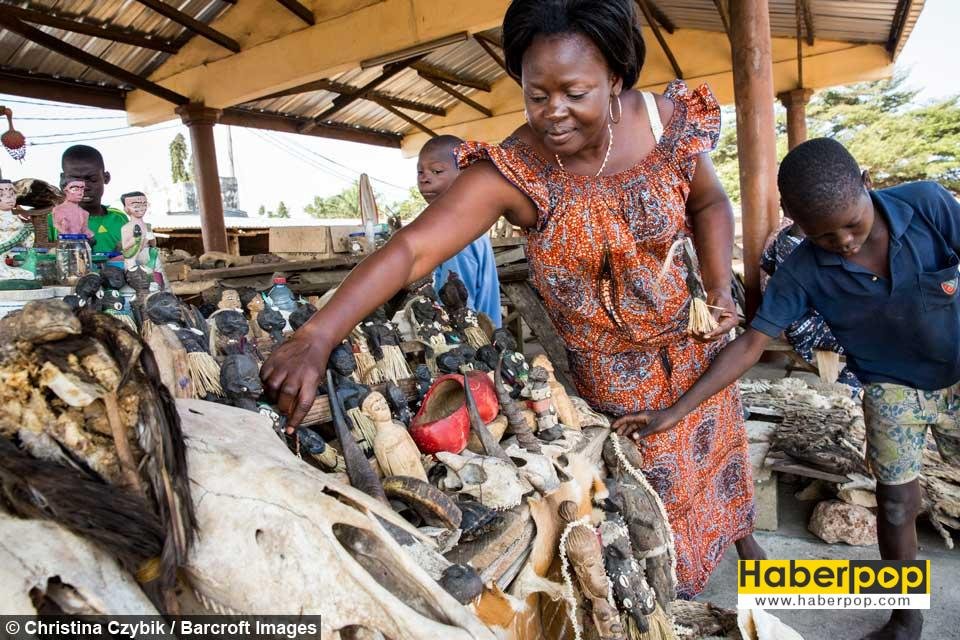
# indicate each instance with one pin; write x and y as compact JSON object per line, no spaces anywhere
{"x":293,"y":372}
{"x":645,"y":423}
{"x":724,"y":311}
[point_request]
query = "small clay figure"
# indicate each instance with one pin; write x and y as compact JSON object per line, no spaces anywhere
{"x":488,"y":357}
{"x":206,"y":309}
{"x":112,"y":302}
{"x":255,"y":307}
{"x":450,"y":362}
{"x":89,"y":289}
{"x":230,"y":300}
{"x":586,"y":559}
{"x":398,"y":404}
{"x":367,"y":370}
{"x":384,"y":342}
{"x":228,"y":332}
{"x":137,"y":241}
{"x":455,"y":298}
{"x":539,"y":400}
{"x":303,"y":313}
{"x":273,"y":322}
{"x":515,"y":367}
{"x":163,"y":308}
{"x":468,"y":354}
{"x":69,"y":217}
{"x":13,"y":233}
{"x":310,"y":442}
{"x":423,"y":379}
{"x":351,"y":394}
{"x":395,"y":450}
{"x":516,"y":423}
{"x":630,"y":589}
{"x":240,"y":381}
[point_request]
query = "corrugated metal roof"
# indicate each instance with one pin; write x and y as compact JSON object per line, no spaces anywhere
{"x":867,"y":21}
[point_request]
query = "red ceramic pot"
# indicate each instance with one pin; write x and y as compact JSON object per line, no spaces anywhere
{"x":442,"y":424}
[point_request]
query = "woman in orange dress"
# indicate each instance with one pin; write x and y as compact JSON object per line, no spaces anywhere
{"x":604,"y":179}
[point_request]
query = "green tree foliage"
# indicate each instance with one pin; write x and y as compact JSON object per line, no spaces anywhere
{"x":884,"y":128}
{"x":179,"y":168}
{"x":411,"y":206}
{"x":345,"y":204}
{"x":262,"y":211}
{"x":281,"y":212}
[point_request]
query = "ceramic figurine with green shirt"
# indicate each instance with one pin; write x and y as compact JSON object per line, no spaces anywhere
{"x":82,"y":162}
{"x":138,"y":244}
{"x":15,"y":233}
{"x":881,"y":267}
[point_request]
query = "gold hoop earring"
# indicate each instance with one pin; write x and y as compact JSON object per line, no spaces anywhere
{"x":619,"y":110}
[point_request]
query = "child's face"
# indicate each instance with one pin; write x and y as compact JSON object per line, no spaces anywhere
{"x":93,"y":175}
{"x":844,"y":232}
{"x":436,"y":171}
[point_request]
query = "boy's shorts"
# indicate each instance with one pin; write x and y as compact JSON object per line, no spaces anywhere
{"x":896,"y":418}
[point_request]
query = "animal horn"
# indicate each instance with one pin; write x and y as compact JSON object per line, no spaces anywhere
{"x":490,"y":446}
{"x":359,"y":470}
{"x":433,"y":505}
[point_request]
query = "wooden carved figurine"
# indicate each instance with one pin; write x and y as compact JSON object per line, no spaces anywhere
{"x":69,"y":217}
{"x":395,"y":450}
{"x":351,"y":395}
{"x":254,"y":308}
{"x":384,"y":342}
{"x":516,"y":423}
{"x":566,"y":412}
{"x":230,"y":300}
{"x":515,"y":367}
{"x":240,"y":379}
{"x":586,"y":558}
{"x":273,"y":322}
{"x":137,"y":242}
{"x":538,"y":394}
{"x":367,"y":370}
{"x":228,"y":332}
{"x":454,"y":296}
{"x":14,"y":233}
{"x":358,"y":467}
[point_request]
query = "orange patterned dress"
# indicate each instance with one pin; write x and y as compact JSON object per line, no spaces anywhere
{"x":594,"y":257}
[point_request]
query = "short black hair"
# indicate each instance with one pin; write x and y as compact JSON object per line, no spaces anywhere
{"x":81,"y":152}
{"x":611,"y":25}
{"x":445,"y":143}
{"x":819,"y":178}
{"x":123,"y":198}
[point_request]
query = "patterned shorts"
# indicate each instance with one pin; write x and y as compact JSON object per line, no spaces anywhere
{"x":897,"y":418}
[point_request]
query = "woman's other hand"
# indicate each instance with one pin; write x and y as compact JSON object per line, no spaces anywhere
{"x":293,"y":372}
{"x":637,"y":426}
{"x":724,"y":311}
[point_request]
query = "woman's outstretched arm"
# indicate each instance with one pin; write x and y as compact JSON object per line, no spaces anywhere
{"x":479,"y":196}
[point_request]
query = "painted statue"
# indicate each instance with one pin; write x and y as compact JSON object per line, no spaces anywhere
{"x":137,"y":242}
{"x":393,"y":447}
{"x":14,"y":233}
{"x":69,"y":217}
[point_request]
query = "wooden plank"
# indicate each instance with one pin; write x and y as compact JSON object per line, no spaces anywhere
{"x":301,"y":240}
{"x":346,"y":89}
{"x":440,"y":84}
{"x":411,"y":121}
{"x":513,"y":273}
{"x":783,"y":463}
{"x":451,"y":76}
{"x":508,"y":242}
{"x":189,"y":22}
{"x":280,"y":267}
{"x":43,"y":87}
{"x":270,"y":121}
{"x":655,"y":27}
{"x":302,"y":12}
{"x":535,"y":315}
{"x":511,"y":256}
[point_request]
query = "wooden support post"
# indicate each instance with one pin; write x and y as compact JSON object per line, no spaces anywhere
{"x":201,"y":120}
{"x":756,"y":135}
{"x":795,"y":102}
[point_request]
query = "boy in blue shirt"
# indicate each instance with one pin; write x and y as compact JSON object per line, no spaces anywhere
{"x":881,"y":267}
{"x":436,"y":170}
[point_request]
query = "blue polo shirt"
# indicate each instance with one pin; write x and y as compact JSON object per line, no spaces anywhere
{"x":905,"y":330}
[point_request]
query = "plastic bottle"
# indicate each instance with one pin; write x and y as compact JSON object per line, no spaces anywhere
{"x":281,"y":296}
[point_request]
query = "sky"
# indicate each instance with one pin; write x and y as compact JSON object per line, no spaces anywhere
{"x":272,"y":167}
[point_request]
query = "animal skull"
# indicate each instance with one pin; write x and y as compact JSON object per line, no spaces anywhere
{"x":33,"y":553}
{"x":495,"y":483}
{"x":275,"y":533}
{"x":536,"y":469}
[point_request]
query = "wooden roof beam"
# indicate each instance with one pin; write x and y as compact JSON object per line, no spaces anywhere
{"x":43,"y":87}
{"x":299,"y":10}
{"x":286,"y":124}
{"x":411,"y":121}
{"x":192,"y":24}
{"x":487,"y":44}
{"x":106,"y":32}
{"x":379,"y":97}
{"x":724,"y":15}
{"x":57,"y":45}
{"x":652,"y":22}
{"x":807,"y":20}
{"x":456,"y":94}
{"x":899,"y":26}
{"x":451,"y":77}
{"x":662,"y":18}
{"x":342,"y":101}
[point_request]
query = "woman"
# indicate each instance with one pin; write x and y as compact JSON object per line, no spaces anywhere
{"x":602,"y":202}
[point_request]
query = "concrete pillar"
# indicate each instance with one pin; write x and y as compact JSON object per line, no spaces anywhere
{"x":201,"y":120}
{"x":795,"y":102}
{"x":756,"y":134}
